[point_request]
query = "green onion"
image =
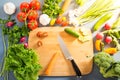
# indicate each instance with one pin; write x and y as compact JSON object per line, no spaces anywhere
{"x":96,"y":10}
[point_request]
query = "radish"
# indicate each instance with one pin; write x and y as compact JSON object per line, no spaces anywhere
{"x":108,"y":39}
{"x":107,"y":26}
{"x":22,"y":39}
{"x":26,"y":45}
{"x":9,"y":24}
{"x":99,"y":36}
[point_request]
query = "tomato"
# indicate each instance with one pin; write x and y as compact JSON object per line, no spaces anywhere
{"x":35,"y":5}
{"x":32,"y":24}
{"x":59,"y":20}
{"x":65,"y":23}
{"x":21,"y":16}
{"x":24,"y":7}
{"x":32,"y":14}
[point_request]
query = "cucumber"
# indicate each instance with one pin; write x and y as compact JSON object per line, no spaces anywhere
{"x":72,"y":32}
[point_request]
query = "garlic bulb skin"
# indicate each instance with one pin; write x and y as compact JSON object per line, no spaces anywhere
{"x":44,"y":19}
{"x":9,"y":8}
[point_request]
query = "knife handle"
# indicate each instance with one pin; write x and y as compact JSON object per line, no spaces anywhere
{"x":75,"y":67}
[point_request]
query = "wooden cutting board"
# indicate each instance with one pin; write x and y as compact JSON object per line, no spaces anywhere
{"x":81,"y":52}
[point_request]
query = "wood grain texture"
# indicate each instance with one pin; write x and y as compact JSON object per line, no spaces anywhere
{"x":81,"y":52}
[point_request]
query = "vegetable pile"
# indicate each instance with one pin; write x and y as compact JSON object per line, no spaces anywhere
{"x":98,"y":9}
{"x":107,"y":65}
{"x":17,"y":57}
{"x":28,"y":11}
{"x":108,"y":37}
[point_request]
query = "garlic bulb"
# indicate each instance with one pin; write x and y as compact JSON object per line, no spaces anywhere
{"x":9,"y":8}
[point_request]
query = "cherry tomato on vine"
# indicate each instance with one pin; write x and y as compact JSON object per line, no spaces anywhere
{"x":59,"y":20}
{"x":35,"y":5}
{"x":65,"y":23}
{"x":21,"y":16}
{"x":32,"y":14}
{"x":24,"y":7}
{"x":32,"y":24}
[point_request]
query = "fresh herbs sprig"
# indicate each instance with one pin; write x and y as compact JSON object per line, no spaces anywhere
{"x":52,"y":8}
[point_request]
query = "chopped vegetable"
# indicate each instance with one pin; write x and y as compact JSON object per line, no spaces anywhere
{"x":44,"y":19}
{"x":107,"y":65}
{"x":9,"y":8}
{"x":41,"y":34}
{"x":51,"y":64}
{"x":39,"y":43}
{"x":102,"y":20}
{"x":51,"y":8}
{"x":23,"y":62}
{"x":111,"y":50}
{"x":72,"y":32}
{"x":98,"y":45}
{"x":84,"y":38}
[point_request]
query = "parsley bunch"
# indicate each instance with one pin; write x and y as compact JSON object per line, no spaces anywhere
{"x":51,"y":8}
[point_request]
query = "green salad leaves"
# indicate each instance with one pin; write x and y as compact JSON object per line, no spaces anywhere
{"x":23,"y":62}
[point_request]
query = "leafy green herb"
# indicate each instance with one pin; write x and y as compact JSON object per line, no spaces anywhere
{"x":23,"y":62}
{"x":52,"y":8}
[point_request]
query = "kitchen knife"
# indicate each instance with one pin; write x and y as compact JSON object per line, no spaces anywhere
{"x":68,"y":56}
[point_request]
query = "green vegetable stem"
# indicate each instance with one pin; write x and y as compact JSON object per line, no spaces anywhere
{"x":102,"y":20}
{"x":116,"y":24}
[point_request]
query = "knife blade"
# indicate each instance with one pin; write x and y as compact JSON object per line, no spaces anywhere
{"x":68,"y":56}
